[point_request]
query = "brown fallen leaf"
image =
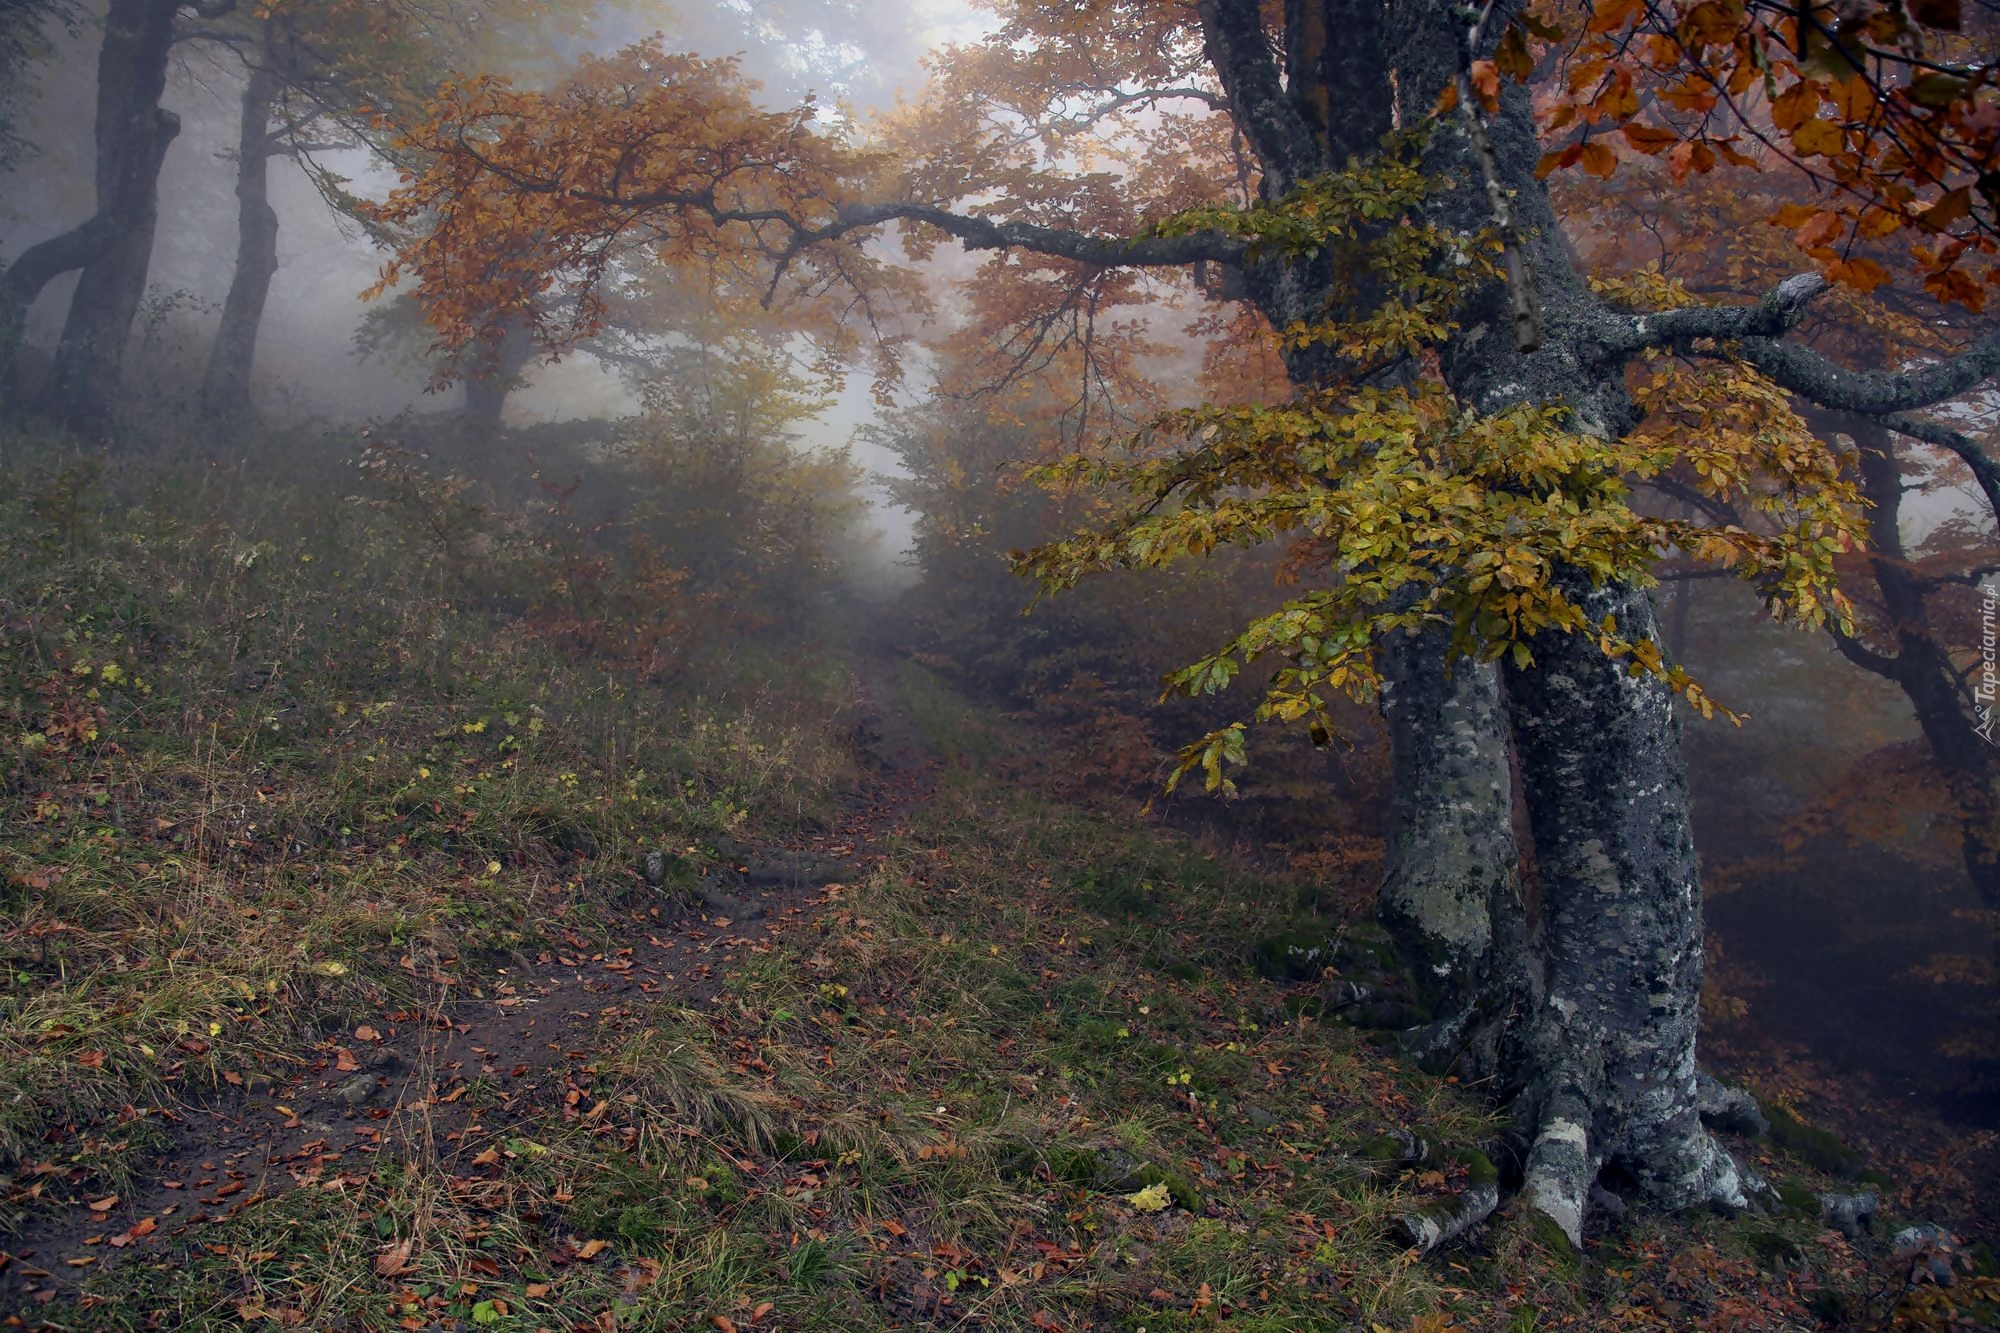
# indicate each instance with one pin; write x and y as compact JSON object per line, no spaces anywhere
{"x":344,"y":1061}
{"x":366,"y":1033}
{"x":590,"y":1249}
{"x":90,"y":1059}
{"x":724,"y":1323}
{"x":534,"y":1291}
{"x":491,"y":1157}
{"x":394,"y":1259}
{"x":105,"y":1204}
{"x":761,"y":1311}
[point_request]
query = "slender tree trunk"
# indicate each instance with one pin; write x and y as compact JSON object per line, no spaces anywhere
{"x":132,"y":135}
{"x":225,"y":389}
{"x":1613,"y":1046}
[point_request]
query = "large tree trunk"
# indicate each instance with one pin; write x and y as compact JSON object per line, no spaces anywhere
{"x":1612,"y":1080}
{"x":1594,"y":1022}
{"x":1451,"y":893}
{"x":132,"y":135}
{"x":1605,"y":1057}
{"x":498,"y":374}
{"x":225,"y":389}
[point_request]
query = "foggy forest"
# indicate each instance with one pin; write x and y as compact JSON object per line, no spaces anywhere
{"x":1038,"y":665}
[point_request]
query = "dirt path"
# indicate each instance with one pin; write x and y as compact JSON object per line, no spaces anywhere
{"x":399,"y":1079}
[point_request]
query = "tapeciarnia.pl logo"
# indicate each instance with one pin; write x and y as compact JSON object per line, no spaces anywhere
{"x":1983,"y":694}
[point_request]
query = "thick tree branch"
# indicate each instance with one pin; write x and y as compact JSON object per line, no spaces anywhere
{"x":1889,"y":668}
{"x":1873,"y":392}
{"x":1233,"y":35}
{"x":1984,"y":470}
{"x":1777,"y":314}
{"x":1754,"y":332}
{"x":1084,"y":247}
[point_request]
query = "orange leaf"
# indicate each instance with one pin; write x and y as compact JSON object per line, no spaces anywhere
{"x":1598,"y":160}
{"x":1823,"y":227}
{"x":723,"y":1323}
{"x":1709,"y":24}
{"x":1649,"y":139}
{"x":394,"y":1259}
{"x":1879,"y":222}
{"x":1796,"y":105}
{"x":104,"y":1205}
{"x":1557,"y":161}
{"x":1512,"y":56}
{"x":91,"y":1059}
{"x":1612,"y":15}
{"x":1953,"y":287}
{"x":366,"y":1033}
{"x":1855,"y":97}
{"x":590,"y":1249}
{"x":1697,"y":158}
{"x":1486,"y":83}
{"x":1862,"y":274}
{"x":1819,"y":138}
{"x":1947,"y":209}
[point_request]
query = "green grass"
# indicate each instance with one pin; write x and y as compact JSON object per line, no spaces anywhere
{"x":263,"y":758}
{"x":270,"y":762}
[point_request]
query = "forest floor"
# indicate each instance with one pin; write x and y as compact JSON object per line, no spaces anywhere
{"x":367,"y":964}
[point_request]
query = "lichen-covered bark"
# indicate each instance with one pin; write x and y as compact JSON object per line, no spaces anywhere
{"x":1451,"y":894}
{"x":1613,"y":1042}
